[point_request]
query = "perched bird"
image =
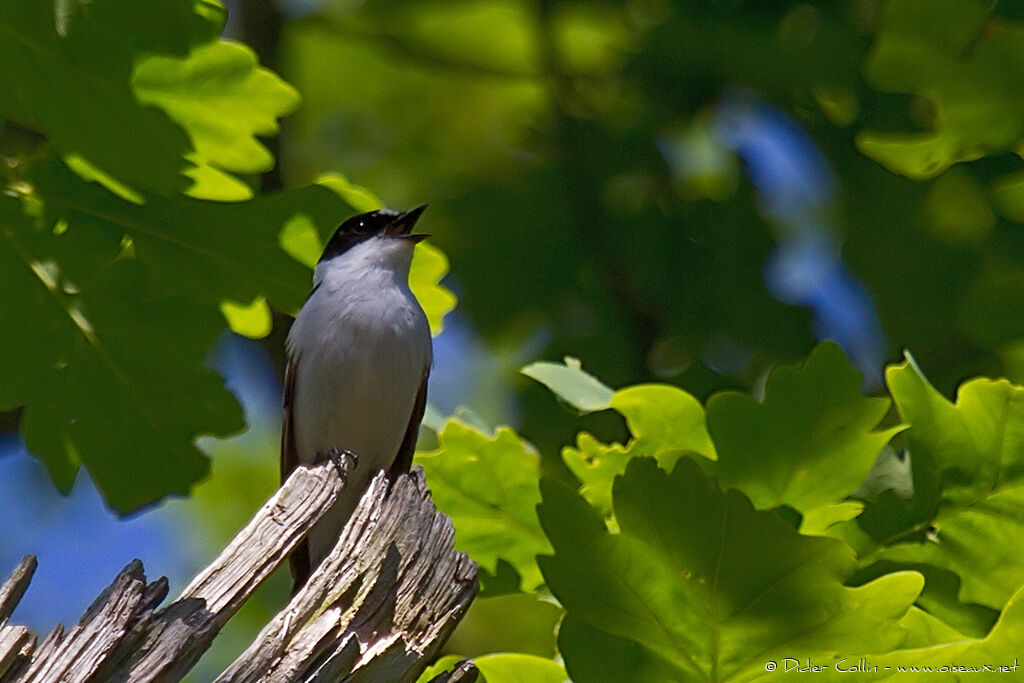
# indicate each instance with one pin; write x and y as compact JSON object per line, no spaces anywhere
{"x":359,"y":354}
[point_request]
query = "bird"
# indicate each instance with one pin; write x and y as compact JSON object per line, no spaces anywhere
{"x":359,"y":356}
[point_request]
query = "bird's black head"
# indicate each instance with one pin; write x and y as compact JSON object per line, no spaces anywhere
{"x":382,"y":223}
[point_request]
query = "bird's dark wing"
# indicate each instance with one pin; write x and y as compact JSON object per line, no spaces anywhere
{"x":403,"y":461}
{"x":299,"y":559}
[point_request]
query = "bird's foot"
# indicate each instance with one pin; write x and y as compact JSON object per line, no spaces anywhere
{"x":344,"y":460}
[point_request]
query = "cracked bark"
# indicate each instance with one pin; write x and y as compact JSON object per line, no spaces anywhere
{"x":379,"y":608}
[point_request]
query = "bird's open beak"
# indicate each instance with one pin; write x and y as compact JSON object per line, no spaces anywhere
{"x":403,"y":224}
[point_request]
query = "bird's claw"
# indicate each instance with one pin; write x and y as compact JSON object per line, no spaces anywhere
{"x":344,"y":460}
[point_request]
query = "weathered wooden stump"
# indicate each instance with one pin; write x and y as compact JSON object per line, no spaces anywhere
{"x":378,"y":609}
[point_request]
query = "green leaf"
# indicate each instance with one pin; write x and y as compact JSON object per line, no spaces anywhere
{"x":817,"y":521}
{"x":810,"y":443}
{"x":666,"y":423}
{"x":968,"y":64}
{"x":1008,"y":196}
{"x":939,"y":598}
{"x":113,"y":33}
{"x":85,"y":78}
{"x":209,"y":251}
{"x":503,"y":581}
{"x":357,"y":196}
{"x":252,"y":320}
{"x":973,"y":455}
{"x":571,"y":383}
{"x":214,"y":184}
{"x":488,"y":486}
{"x":512,"y":667}
{"x":956,"y":209}
{"x":222,"y":99}
{"x":124,"y":304}
{"x":429,"y":266}
{"x":661,"y":416}
{"x":976,"y":444}
{"x":86,"y":171}
{"x":504,"y":667}
{"x":439,"y":667}
{"x":115,"y":379}
{"x":1000,"y":648}
{"x":925,"y":630}
{"x":514,"y":622}
{"x":300,"y":239}
{"x":69,"y":88}
{"x":596,"y":465}
{"x":698,"y":585}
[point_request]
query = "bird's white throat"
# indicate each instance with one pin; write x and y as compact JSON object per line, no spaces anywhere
{"x":373,"y":261}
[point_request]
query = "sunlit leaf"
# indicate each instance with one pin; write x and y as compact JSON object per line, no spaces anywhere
{"x":442,"y":665}
{"x":596,"y":465}
{"x":666,"y":423}
{"x":810,"y":442}
{"x":488,"y":486}
{"x":429,"y":266}
{"x":504,"y":667}
{"x":300,"y":240}
{"x":925,"y":630}
{"x":698,"y":585}
{"x":252,"y":320}
{"x":571,"y":383}
{"x":359,"y":197}
{"x":213,"y":184}
{"x":973,"y":453}
{"x":817,"y":521}
{"x":222,"y":99}
{"x":999,"y":651}
{"x":940,"y":597}
{"x":519,"y":668}
{"x":87,"y":171}
{"x":661,"y":417}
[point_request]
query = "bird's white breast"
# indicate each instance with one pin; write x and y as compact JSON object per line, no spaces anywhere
{"x":362,"y":345}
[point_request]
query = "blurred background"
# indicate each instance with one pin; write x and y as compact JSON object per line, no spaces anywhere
{"x":688,"y":191}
